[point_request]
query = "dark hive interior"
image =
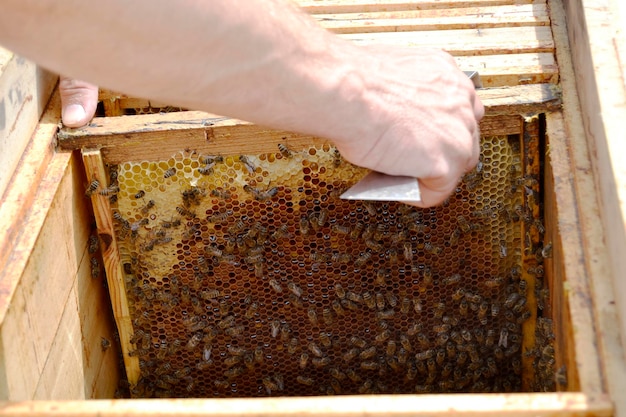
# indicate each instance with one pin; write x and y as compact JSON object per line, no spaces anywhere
{"x":249,"y":276}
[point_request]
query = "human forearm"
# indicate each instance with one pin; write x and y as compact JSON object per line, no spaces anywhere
{"x":259,"y":60}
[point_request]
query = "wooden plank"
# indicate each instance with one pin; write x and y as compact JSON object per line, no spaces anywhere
{"x":102,"y":371}
{"x":24,"y":92}
{"x":52,"y":264}
{"x":512,"y":69}
{"x":149,"y":137}
{"x":41,"y":269}
{"x":348,"y":6}
{"x":19,"y":370}
{"x":94,"y":168}
{"x":62,"y":375}
{"x":460,"y":42}
{"x":598,"y":59}
{"x":440,"y":19}
{"x":19,"y":195}
{"x":468,"y":405}
{"x":572,"y":135}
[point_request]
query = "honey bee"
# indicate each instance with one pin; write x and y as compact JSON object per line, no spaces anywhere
{"x":418,"y":306}
{"x":204,"y":365}
{"x":428,"y":276}
{"x":234,"y":372}
{"x":105,"y":343}
{"x":275,"y":328}
{"x":294,"y":289}
{"x":194,"y":341}
{"x":258,"y":354}
{"x":236,"y":331}
{"x":292,"y":347}
{"x":228,"y":321}
{"x":305,"y":380}
{"x":320,"y":362}
{"x":464,"y":225}
{"x":340,"y":229}
{"x":260,"y":195}
{"x":370,"y":207}
{"x":206,"y":170}
{"x":275,"y":285}
{"x":209,"y":294}
{"x":185,"y":212}
{"x":315,"y":350}
{"x":356,"y":230}
{"x":369,"y":365}
{"x":250,"y":167}
{"x":95,"y":268}
{"x":432,"y":249}
{"x":362,"y":259}
{"x":110,"y":190}
{"x":454,"y":237}
{"x":325,"y":339}
{"x":211,"y":159}
{"x":452,"y":279}
{"x":284,"y":150}
{"x":93,"y":186}
{"x":366,"y":387}
{"x":327,"y":316}
{"x":382,"y":337}
{"x":381,"y":277}
{"x":407,"y":250}
{"x":546,"y":251}
{"x":221,"y":384}
{"x":169,"y":172}
{"x":368,"y":353}
{"x":232,"y":361}
{"x":304,"y":360}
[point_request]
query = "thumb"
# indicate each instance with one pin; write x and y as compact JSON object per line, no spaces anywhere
{"x":78,"y":100}
{"x":434,"y":191}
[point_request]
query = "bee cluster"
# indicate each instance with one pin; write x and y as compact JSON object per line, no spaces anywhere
{"x":248,"y":276}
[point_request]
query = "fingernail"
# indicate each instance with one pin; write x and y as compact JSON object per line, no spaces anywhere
{"x":74,"y":115}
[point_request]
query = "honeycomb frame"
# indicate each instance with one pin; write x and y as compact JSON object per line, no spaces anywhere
{"x":231,"y":371}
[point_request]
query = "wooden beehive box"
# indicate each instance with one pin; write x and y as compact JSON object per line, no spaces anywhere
{"x":55,"y":314}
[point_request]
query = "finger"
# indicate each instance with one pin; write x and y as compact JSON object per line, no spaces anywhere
{"x":474,"y":158}
{"x":434,"y":191}
{"x":79,"y":100}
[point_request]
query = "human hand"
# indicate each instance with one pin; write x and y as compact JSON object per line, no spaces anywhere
{"x":422,"y":115}
{"x":79,"y":100}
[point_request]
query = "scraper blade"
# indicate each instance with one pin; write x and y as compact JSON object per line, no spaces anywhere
{"x":382,"y":187}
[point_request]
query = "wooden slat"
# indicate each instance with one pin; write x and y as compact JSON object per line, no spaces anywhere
{"x":460,"y":42}
{"x":62,"y":375}
{"x":102,"y":371}
{"x":20,"y":193}
{"x":149,"y":137}
{"x":43,"y":266}
{"x":419,"y":20}
{"x":512,"y":69}
{"x":348,"y":6}
{"x":24,"y":92}
{"x":467,"y":405}
{"x":94,"y":168}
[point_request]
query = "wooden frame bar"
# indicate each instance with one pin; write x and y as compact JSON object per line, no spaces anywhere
{"x":467,"y":405}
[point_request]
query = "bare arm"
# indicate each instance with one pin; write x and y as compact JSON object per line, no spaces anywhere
{"x":396,"y":111}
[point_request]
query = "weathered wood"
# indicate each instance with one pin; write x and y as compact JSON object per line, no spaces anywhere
{"x":38,"y":250}
{"x":467,"y":405}
{"x":24,"y":92}
{"x":94,"y":168}
{"x":512,"y":69}
{"x":18,"y":198}
{"x":135,"y":138}
{"x":341,"y":6}
{"x":598,"y":57}
{"x":417,"y":20}
{"x":460,"y":42}
{"x":573,"y":139}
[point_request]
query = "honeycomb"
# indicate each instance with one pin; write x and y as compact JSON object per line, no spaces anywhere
{"x":248,"y":276}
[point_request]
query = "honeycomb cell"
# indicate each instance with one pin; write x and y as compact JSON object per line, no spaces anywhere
{"x":245,"y":266}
